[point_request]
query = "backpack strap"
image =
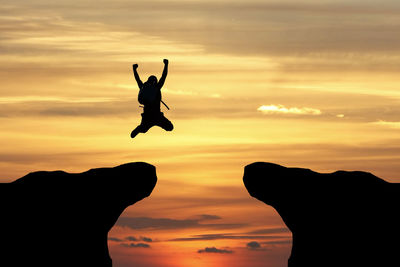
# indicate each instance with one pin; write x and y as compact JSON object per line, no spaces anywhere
{"x":165,"y":104}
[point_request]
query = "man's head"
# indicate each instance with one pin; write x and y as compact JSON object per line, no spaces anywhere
{"x":152,"y":79}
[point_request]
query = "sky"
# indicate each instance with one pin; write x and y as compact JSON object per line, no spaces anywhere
{"x":310,"y":84}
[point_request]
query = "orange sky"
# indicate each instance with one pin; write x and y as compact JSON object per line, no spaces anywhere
{"x":299,"y":83}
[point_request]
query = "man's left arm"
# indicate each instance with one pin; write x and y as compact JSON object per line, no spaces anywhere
{"x":164,"y":74}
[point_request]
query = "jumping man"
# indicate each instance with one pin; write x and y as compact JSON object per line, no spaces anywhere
{"x":150,"y":98}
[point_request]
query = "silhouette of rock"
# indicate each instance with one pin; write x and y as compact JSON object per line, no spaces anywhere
{"x":337,"y":219}
{"x":62,"y":219}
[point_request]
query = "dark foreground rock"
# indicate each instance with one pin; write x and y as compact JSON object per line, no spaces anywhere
{"x":337,"y":219}
{"x":62,"y":219}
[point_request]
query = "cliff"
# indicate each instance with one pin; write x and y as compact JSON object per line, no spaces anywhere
{"x":62,"y":219}
{"x":336,"y":219}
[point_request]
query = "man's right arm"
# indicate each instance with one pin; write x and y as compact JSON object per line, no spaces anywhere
{"x":136,"y":74}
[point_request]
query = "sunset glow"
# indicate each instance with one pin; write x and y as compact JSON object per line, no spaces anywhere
{"x":297,"y":83}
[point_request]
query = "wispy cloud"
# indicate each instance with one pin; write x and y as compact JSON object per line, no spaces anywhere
{"x":179,"y":92}
{"x":270,"y":231}
{"x":390,"y":124}
{"x":66,"y":108}
{"x":281,"y":109}
{"x":254,"y":245}
{"x":168,"y":223}
{"x":142,"y":238}
{"x":146,"y":239}
{"x":278,"y":242}
{"x":136,"y":245}
{"x":115,"y":239}
{"x":225,"y":237}
{"x":215,"y":250}
{"x":288,"y":36}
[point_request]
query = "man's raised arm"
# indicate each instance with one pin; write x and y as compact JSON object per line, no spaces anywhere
{"x":136,"y":74}
{"x":164,"y":74}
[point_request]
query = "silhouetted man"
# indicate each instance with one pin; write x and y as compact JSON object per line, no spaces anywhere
{"x":150,"y":97}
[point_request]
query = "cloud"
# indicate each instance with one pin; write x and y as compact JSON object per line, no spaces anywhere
{"x":214,"y":250}
{"x":254,"y":245}
{"x":278,"y":242}
{"x":390,"y":124}
{"x":225,"y":236}
{"x":279,"y":24}
{"x":270,"y":231}
{"x":208,"y":217}
{"x":167,"y":223}
{"x":142,"y":238}
{"x":222,"y":27}
{"x":131,"y":238}
{"x":115,"y":239}
{"x":66,"y":107}
{"x":281,"y":109}
{"x":189,"y":107}
{"x":34,"y":158}
{"x":146,"y":239}
{"x":156,"y":223}
{"x":216,"y":28}
{"x":135,"y":245}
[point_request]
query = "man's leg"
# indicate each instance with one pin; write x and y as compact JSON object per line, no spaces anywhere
{"x":164,"y":123}
{"x":144,"y":126}
{"x":135,"y":132}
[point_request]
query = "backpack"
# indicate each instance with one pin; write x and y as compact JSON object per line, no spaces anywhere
{"x":148,"y":94}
